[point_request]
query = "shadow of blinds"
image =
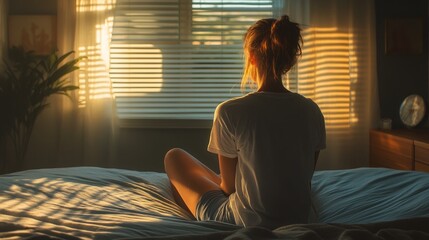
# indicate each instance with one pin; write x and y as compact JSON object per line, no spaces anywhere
{"x":327,"y":73}
{"x":93,"y":33}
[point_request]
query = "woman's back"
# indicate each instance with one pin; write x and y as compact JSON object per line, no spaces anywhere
{"x":274,"y":136}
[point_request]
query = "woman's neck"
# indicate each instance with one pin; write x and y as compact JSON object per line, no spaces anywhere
{"x":273,"y":86}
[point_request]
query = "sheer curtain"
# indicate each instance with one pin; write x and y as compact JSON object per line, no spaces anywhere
{"x":79,"y":131}
{"x":338,"y":71}
{"x":94,"y":19}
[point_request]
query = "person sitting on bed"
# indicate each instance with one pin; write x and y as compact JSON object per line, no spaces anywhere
{"x":267,"y":142}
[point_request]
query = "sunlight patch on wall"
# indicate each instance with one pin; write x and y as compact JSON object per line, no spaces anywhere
{"x":94,"y":79}
{"x":327,"y":73}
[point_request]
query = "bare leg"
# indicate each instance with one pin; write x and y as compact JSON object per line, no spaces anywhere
{"x":190,"y":178}
{"x":178,"y":199}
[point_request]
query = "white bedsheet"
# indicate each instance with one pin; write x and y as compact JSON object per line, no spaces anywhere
{"x":90,"y":202}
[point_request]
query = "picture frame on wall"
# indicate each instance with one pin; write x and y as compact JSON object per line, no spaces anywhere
{"x":404,"y":36}
{"x":36,"y":33}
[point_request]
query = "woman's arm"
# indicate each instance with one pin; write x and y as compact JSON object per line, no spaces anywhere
{"x":227,"y":168}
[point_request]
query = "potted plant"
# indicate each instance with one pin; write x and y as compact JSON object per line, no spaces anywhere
{"x":26,"y":82}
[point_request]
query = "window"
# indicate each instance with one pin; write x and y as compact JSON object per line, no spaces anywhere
{"x":177,"y":59}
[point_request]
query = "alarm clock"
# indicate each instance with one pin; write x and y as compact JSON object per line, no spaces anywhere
{"x":412,"y":110}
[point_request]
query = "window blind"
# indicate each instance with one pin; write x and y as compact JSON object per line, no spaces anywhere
{"x":178,"y":59}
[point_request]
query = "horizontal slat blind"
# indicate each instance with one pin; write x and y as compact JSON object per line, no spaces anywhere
{"x":178,"y":59}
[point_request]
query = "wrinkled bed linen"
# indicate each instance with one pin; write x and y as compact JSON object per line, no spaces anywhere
{"x":368,"y":195}
{"x":89,"y":202}
{"x":101,"y":203}
{"x":406,"y":229}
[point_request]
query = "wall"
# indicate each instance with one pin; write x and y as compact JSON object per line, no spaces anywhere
{"x":33,"y":7}
{"x":140,"y":148}
{"x":400,"y":75}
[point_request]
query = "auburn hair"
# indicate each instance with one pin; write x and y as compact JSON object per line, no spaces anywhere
{"x":271,"y":48}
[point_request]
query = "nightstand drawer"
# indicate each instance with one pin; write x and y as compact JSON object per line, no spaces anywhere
{"x":421,"y":151}
{"x":406,"y":149}
{"x":393,"y":144}
{"x":388,"y":159}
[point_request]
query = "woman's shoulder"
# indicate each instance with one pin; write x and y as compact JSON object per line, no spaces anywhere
{"x":235,"y":101}
{"x":234,"y":106}
{"x":306,"y":100}
{"x":251,"y":100}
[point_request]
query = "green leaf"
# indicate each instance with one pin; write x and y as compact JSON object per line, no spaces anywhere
{"x":26,"y":82}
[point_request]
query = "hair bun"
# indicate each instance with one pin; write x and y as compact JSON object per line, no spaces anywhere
{"x":282,"y":24}
{"x":285,"y":43}
{"x":284,"y":28}
{"x":285,"y":18}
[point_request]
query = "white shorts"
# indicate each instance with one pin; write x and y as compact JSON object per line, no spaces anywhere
{"x":214,"y":206}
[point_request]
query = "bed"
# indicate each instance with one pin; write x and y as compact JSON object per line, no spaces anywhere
{"x":106,"y":203}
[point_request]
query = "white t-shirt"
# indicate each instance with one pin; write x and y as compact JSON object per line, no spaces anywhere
{"x":274,"y":136}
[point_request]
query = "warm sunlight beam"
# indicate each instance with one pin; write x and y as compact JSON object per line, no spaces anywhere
{"x":326,"y":72}
{"x":94,"y":80}
{"x":136,"y":68}
{"x":94,"y":5}
{"x":69,"y":203}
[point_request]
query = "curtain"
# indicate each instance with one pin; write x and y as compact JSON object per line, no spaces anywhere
{"x":338,"y":71}
{"x":92,"y":120}
{"x":79,"y":130}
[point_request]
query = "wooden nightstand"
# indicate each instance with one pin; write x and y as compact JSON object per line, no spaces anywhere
{"x":405,"y":149}
{"x":421,"y":156}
